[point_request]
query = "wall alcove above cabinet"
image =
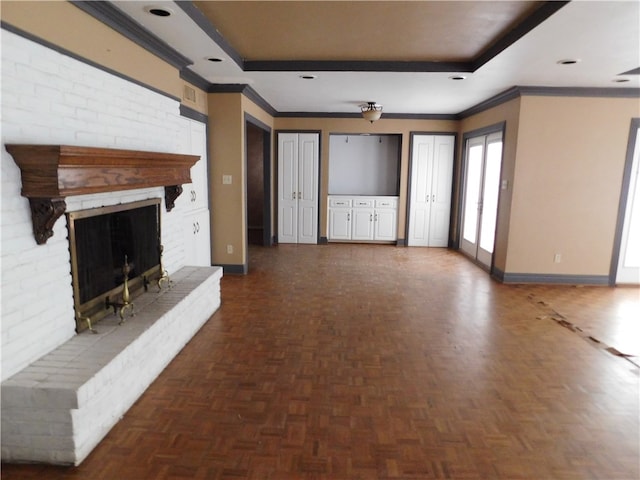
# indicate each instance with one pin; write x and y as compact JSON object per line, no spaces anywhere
{"x":362,"y":164}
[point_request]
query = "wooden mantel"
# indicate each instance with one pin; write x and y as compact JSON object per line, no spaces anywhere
{"x":52,"y":172}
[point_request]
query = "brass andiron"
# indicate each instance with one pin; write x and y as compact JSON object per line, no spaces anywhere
{"x":86,"y":320}
{"x":164,"y":274}
{"x":126,"y":297}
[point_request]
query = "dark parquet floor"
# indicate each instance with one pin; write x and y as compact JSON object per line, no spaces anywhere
{"x":377,"y":362}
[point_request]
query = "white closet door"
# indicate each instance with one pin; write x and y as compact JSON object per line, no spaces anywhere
{"x":422,"y":164}
{"x":431,"y":180}
{"x":287,"y":188}
{"x":308,"y":188}
{"x":441,"y":191}
{"x":298,"y":168}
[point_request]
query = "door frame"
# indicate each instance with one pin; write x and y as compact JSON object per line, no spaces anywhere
{"x":267,"y":238}
{"x":451,"y":242}
{"x":321,"y":205}
{"x":484,"y":131}
{"x":634,"y":140}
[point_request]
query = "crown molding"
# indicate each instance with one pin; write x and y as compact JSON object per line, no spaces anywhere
{"x":522,"y":91}
{"x":123,"y":24}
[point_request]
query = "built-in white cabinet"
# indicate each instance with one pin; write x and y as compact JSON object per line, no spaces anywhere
{"x":298,"y":167}
{"x":196,"y":238}
{"x":193,"y":203}
{"x":430,"y":190}
{"x":363,"y":218}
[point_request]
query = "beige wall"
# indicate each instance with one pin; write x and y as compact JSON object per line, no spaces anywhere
{"x":226,"y":150}
{"x":563,"y":156}
{"x":358,"y":125}
{"x":507,"y":112}
{"x":89,"y":38}
{"x":568,"y":176}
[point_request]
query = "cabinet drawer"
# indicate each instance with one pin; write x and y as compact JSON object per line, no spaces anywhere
{"x":387,"y":203}
{"x":363,"y":202}
{"x":339,"y":202}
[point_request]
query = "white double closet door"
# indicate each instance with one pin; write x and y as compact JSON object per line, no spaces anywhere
{"x":431,"y":180}
{"x":298,"y":167}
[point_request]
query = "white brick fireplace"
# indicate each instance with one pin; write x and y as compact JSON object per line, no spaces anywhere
{"x":50,"y":98}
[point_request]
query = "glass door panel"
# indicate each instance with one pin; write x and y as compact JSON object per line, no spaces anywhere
{"x":472,"y":190}
{"x":490,"y":199}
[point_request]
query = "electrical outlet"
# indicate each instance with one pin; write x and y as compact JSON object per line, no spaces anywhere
{"x":227,"y":179}
{"x":557,"y":258}
{"x":229,"y":248}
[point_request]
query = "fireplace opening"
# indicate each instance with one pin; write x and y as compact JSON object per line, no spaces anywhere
{"x":101,"y":241}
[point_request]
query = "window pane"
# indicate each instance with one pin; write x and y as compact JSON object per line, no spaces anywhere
{"x":474,"y":171}
{"x":490,"y":196}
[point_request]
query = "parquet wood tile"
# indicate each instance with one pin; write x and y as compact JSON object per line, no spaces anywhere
{"x":376,"y":362}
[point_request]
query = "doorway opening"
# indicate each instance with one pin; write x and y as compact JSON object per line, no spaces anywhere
{"x":258,"y":161}
{"x":482,"y":166}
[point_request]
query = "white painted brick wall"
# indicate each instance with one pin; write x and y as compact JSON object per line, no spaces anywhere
{"x":49,"y":98}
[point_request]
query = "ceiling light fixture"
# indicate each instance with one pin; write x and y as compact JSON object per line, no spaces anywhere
{"x":215,"y":59}
{"x":457,"y":77}
{"x":308,"y":77}
{"x":620,"y":80}
{"x":371,"y":111}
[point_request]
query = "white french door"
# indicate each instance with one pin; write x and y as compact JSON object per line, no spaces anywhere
{"x":629,"y":258}
{"x":483,"y":160}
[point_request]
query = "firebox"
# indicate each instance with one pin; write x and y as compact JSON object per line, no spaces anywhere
{"x":115,"y":255}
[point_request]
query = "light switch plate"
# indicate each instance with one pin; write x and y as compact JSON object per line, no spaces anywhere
{"x":226,"y":179}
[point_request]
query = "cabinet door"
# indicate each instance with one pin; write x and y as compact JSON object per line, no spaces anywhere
{"x":362,"y":228}
{"x":287,"y":188}
{"x":339,"y":224}
{"x":198,"y":194}
{"x":385,"y":224}
{"x":197,"y":239}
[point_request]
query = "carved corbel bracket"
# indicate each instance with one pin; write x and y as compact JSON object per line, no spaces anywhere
{"x":44,"y":213}
{"x":171,"y":192}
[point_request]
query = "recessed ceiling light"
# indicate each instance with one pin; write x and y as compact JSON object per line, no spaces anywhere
{"x":457,"y":77}
{"x":568,"y":61}
{"x":158,"y":11}
{"x":308,"y":77}
{"x":215,"y":59}
{"x":620,"y":80}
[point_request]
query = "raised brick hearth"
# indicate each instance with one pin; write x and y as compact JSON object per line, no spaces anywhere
{"x":57,"y":409}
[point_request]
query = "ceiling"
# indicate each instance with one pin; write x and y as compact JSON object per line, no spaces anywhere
{"x":401,"y":54}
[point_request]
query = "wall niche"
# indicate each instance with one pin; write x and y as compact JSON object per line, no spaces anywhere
{"x":364,"y":164}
